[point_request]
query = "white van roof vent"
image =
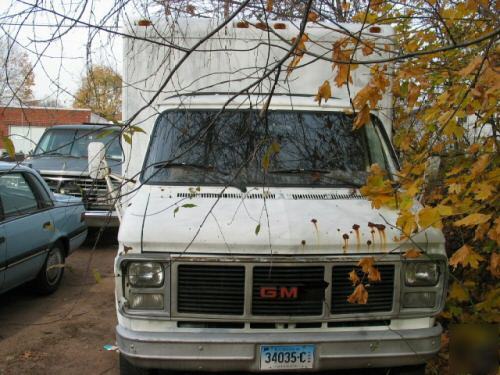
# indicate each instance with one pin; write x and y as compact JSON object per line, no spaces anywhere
{"x":227,"y":195}
{"x":327,"y":196}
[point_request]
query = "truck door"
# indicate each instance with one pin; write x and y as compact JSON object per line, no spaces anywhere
{"x":28,"y":229}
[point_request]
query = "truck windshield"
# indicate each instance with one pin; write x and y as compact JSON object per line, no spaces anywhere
{"x":74,"y":142}
{"x":287,"y":148}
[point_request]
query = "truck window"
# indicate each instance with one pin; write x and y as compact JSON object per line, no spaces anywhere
{"x":315,"y":148}
{"x":74,"y":142}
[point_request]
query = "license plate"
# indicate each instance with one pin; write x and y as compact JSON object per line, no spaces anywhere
{"x":283,"y":357}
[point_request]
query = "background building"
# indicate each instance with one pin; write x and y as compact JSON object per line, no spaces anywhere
{"x":25,"y":125}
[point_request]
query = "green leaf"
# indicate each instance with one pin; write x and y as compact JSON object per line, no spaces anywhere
{"x":257,"y":229}
{"x":176,"y":210}
{"x":127,"y":138}
{"x":188,"y":205}
{"x":97,"y":276}
{"x":136,"y":129}
{"x":9,"y":146}
{"x":104,"y":133}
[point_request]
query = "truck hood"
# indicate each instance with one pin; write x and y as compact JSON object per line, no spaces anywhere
{"x":289,"y":221}
{"x":60,"y":165}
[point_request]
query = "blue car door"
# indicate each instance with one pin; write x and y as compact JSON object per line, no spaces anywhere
{"x":27,"y":225}
{"x":3,"y":255}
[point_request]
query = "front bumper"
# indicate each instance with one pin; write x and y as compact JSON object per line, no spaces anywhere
{"x":216,"y":352}
{"x":95,"y":218}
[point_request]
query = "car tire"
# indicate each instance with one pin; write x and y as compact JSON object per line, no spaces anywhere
{"x":50,"y":276}
{"x":127,"y":368}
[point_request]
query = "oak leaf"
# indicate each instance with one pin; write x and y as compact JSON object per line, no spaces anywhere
{"x":359,"y":296}
{"x":368,"y":48}
{"x":465,"y":256}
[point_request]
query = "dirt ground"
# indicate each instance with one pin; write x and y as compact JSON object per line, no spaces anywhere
{"x":64,"y":333}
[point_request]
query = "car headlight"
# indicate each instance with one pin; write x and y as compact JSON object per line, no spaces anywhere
{"x":419,"y":300}
{"x":421,"y":273}
{"x":145,"y":274}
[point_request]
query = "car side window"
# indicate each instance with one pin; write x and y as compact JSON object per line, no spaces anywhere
{"x":17,"y":196}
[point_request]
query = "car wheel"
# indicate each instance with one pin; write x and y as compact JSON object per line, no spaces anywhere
{"x":127,"y":368}
{"x":52,"y":271}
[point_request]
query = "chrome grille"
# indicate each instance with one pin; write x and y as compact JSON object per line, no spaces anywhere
{"x":307,"y":282}
{"x":93,"y":192}
{"x":380,"y":294}
{"x":210,"y":289}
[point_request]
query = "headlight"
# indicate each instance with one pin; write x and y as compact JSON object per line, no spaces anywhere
{"x":419,"y":300}
{"x":145,"y":274}
{"x":421,"y":273}
{"x":146,"y":301}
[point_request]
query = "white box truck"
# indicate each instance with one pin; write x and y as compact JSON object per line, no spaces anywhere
{"x":237,"y":240}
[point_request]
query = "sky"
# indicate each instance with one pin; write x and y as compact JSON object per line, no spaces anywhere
{"x":60,"y":55}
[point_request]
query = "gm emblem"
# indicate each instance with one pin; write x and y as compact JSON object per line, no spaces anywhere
{"x":279,"y":292}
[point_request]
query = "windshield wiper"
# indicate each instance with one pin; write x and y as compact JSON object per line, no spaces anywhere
{"x":167,"y":164}
{"x":341,"y":176}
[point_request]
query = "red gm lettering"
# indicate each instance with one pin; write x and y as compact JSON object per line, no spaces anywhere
{"x":269,"y":292}
{"x":289,"y":293}
{"x":282,"y":292}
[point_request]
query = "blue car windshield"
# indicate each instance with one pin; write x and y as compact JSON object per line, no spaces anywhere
{"x":285,"y":148}
{"x":74,"y":142}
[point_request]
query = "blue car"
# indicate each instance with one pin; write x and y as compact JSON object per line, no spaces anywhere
{"x":38,"y":230}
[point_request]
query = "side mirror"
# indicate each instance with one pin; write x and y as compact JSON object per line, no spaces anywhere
{"x":97,"y":160}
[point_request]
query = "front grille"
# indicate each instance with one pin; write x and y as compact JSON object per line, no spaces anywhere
{"x":93,"y":192}
{"x":207,"y":289}
{"x":303,"y":291}
{"x":380,"y":294}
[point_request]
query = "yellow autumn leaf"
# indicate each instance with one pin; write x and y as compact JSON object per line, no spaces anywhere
{"x":429,"y":216}
{"x":362,"y":118}
{"x":480,"y":165}
{"x":458,"y":293}
{"x":312,"y":17}
{"x":353,"y":276}
{"x":359,"y":296}
{"x":465,"y":256}
{"x":472,"y":220}
{"x":324,"y":92}
{"x":367,"y":47}
{"x":471,"y":67}
{"x":406,"y":222}
{"x":444,"y":210}
{"x":374,"y":275}
{"x":483,"y":191}
{"x":9,"y":147}
{"x":412,"y":253}
{"x":495,"y":264}
{"x":366,"y":263}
